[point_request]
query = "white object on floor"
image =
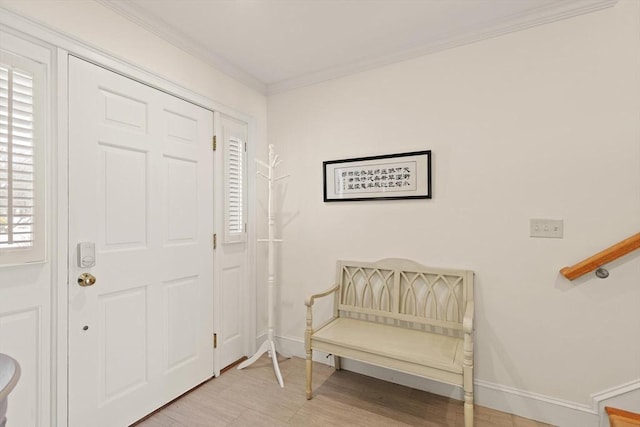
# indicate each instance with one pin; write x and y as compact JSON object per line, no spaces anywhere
{"x":9,"y":375}
{"x":269,"y":345}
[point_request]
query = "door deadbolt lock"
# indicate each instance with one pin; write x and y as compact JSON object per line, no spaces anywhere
{"x":86,"y":279}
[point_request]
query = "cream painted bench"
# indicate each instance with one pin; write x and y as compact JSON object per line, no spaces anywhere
{"x":400,"y":315}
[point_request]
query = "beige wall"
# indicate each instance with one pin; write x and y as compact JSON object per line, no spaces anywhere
{"x":542,"y":123}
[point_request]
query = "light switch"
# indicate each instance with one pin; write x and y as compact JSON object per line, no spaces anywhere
{"x":551,"y":228}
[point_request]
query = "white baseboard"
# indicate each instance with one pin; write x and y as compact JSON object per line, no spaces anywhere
{"x":535,"y":406}
{"x":625,"y":396}
{"x":507,"y":399}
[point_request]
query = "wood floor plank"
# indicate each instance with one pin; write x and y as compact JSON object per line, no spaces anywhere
{"x":252,"y":397}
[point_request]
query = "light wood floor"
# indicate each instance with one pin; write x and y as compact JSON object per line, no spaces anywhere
{"x":252,"y":397}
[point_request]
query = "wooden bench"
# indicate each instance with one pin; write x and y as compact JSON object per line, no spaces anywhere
{"x":400,"y":315}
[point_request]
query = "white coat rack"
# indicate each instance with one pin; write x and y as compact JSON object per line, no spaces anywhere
{"x":269,"y":345}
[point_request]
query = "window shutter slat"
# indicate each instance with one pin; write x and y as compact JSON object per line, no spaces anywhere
{"x":234,"y":189}
{"x":17,"y":184}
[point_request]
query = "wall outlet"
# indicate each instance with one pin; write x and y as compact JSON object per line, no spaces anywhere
{"x":552,"y":228}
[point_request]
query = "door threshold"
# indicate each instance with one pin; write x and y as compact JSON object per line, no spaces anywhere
{"x":233,"y":365}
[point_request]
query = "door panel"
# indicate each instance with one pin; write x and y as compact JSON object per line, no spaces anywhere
{"x":122,"y":349}
{"x":182,"y":338}
{"x":232,"y":324}
{"x":123,"y":173}
{"x":141,"y":189}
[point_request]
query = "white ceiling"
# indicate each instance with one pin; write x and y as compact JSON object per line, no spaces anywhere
{"x":275,"y":45}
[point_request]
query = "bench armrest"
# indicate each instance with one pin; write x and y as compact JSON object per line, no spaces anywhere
{"x":309,"y":301}
{"x":467,"y":320}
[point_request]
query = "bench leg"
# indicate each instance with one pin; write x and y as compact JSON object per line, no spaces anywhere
{"x":309,"y":367}
{"x":336,"y":362}
{"x":467,"y":373}
{"x":468,"y":396}
{"x":468,"y":409}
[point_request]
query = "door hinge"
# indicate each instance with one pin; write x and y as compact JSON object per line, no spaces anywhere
{"x":215,"y":241}
{"x":215,"y":340}
{"x":214,"y":143}
{"x":245,"y":147}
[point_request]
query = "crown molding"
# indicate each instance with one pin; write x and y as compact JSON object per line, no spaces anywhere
{"x":178,"y":39}
{"x":555,"y":11}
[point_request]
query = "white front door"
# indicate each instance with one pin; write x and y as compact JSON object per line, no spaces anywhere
{"x":140,"y":192}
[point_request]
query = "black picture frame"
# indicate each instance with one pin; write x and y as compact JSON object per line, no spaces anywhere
{"x":386,"y":177}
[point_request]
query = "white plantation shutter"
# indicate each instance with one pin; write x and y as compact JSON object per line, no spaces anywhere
{"x":234,"y":190}
{"x":21,"y":201}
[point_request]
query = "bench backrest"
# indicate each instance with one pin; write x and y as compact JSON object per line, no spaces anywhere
{"x":405,"y":291}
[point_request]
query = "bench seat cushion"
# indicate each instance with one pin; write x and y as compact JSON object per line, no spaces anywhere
{"x":375,"y":342}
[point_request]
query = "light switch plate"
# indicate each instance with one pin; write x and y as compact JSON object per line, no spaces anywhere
{"x":550,"y":228}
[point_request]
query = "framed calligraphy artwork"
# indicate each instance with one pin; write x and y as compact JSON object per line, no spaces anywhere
{"x":387,"y":177}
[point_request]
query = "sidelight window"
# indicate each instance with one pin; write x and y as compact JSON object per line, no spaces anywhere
{"x":21,"y":158}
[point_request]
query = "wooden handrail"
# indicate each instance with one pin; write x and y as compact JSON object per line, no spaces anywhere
{"x":619,"y":417}
{"x":610,"y":254}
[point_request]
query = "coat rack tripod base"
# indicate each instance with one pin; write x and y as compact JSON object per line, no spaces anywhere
{"x":269,"y":346}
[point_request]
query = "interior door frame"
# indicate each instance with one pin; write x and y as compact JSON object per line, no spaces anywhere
{"x":219,"y":256}
{"x":63,"y":46}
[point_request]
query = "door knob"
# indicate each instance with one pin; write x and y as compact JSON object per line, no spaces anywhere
{"x":86,"y":279}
